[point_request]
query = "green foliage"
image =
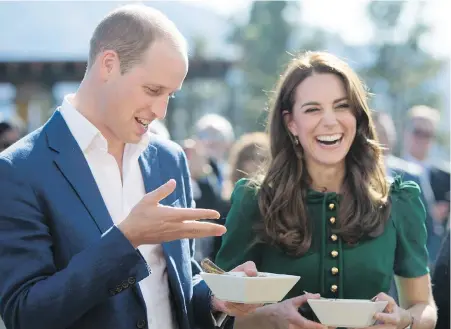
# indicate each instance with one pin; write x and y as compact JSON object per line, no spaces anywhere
{"x":402,"y":71}
{"x":263,"y":41}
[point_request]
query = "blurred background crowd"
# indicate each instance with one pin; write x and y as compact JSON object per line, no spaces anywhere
{"x":237,"y":51}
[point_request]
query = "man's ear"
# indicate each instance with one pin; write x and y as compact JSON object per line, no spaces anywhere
{"x":110,"y":64}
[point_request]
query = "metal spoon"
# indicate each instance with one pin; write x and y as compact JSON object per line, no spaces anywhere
{"x":209,"y":267}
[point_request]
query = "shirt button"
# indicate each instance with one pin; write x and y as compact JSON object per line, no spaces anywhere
{"x":334,"y":288}
{"x":334,"y":253}
{"x":131,"y":280}
{"x":334,"y":237}
{"x":334,"y":270}
{"x":331,"y":206}
{"x":141,"y":324}
{"x":332,"y":220}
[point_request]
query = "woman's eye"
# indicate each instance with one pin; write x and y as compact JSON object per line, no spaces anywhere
{"x":343,"y":106}
{"x":312,"y":109}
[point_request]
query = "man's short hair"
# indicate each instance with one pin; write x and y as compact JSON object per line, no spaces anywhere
{"x":129,"y":31}
{"x":423,"y":112}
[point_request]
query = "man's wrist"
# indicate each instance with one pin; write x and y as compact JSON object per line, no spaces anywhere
{"x":216,"y":305}
{"x":129,"y":234}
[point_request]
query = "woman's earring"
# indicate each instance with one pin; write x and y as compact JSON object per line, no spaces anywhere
{"x":296,"y":140}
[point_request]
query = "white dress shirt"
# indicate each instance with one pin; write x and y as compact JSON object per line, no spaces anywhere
{"x":120,"y":196}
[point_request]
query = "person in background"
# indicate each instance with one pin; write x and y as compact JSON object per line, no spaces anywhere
{"x":9,"y":134}
{"x":440,"y":283}
{"x":216,"y":135}
{"x":205,"y":191}
{"x":396,"y":167}
{"x":324,"y":209}
{"x":247,"y":155}
{"x":435,"y":178}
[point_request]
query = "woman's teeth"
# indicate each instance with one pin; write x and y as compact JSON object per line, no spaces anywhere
{"x":329,"y":139}
{"x":144,"y":122}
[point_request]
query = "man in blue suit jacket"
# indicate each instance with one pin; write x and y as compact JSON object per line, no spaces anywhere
{"x":91,"y":236}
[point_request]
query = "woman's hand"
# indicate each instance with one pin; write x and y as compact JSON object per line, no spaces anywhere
{"x":393,"y":317}
{"x":288,"y":311}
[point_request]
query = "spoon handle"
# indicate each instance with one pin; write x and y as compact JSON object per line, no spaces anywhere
{"x":209,"y":267}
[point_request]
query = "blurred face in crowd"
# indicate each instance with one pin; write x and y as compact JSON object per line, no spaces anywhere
{"x":8,"y":137}
{"x":419,"y":138}
{"x":382,"y":136}
{"x":130,"y":101}
{"x":323,"y":119}
{"x":214,"y":143}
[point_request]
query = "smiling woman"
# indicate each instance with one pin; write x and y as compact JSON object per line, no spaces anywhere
{"x":323,"y":208}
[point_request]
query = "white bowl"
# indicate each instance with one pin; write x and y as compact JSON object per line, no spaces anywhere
{"x":348,"y":313}
{"x":239,"y":288}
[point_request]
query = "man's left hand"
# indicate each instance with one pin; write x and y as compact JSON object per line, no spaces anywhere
{"x":237,"y":309}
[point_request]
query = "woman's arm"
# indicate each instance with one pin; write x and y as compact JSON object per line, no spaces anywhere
{"x":415,"y":296}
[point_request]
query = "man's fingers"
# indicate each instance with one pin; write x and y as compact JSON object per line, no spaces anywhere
{"x":240,"y":309}
{"x":193,"y":230}
{"x":162,"y":192}
{"x":184,"y":214}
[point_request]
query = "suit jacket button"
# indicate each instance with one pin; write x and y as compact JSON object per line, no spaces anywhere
{"x":119,"y":288}
{"x":112,"y":292}
{"x":131,"y":280}
{"x":141,"y":324}
{"x":125,"y":285}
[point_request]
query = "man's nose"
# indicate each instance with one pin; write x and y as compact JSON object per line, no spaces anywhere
{"x":160,"y":107}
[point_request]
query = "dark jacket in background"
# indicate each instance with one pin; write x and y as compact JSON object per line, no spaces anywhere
{"x":440,"y":285}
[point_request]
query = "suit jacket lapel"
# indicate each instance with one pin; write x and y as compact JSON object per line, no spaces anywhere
{"x":71,"y":162}
{"x":153,"y":178}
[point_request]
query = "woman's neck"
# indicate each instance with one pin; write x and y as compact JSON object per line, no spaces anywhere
{"x":326,"y":178}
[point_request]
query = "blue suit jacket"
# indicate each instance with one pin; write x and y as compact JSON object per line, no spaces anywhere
{"x":63,"y":264}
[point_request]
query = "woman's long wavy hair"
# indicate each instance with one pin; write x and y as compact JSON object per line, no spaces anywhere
{"x":364,"y":206}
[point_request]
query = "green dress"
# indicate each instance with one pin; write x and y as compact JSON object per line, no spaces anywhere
{"x":331,"y":267}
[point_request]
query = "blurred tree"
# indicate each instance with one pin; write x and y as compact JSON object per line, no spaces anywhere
{"x":402,"y":71}
{"x":263,"y":42}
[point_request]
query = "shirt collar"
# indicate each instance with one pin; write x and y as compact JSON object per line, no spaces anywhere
{"x":89,"y":137}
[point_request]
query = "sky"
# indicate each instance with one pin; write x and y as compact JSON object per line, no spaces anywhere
{"x":348,"y":18}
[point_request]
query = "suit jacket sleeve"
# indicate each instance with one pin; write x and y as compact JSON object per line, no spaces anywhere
{"x":34,"y":293}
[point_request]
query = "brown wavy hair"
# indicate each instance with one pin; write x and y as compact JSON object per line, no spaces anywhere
{"x":364,"y":206}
